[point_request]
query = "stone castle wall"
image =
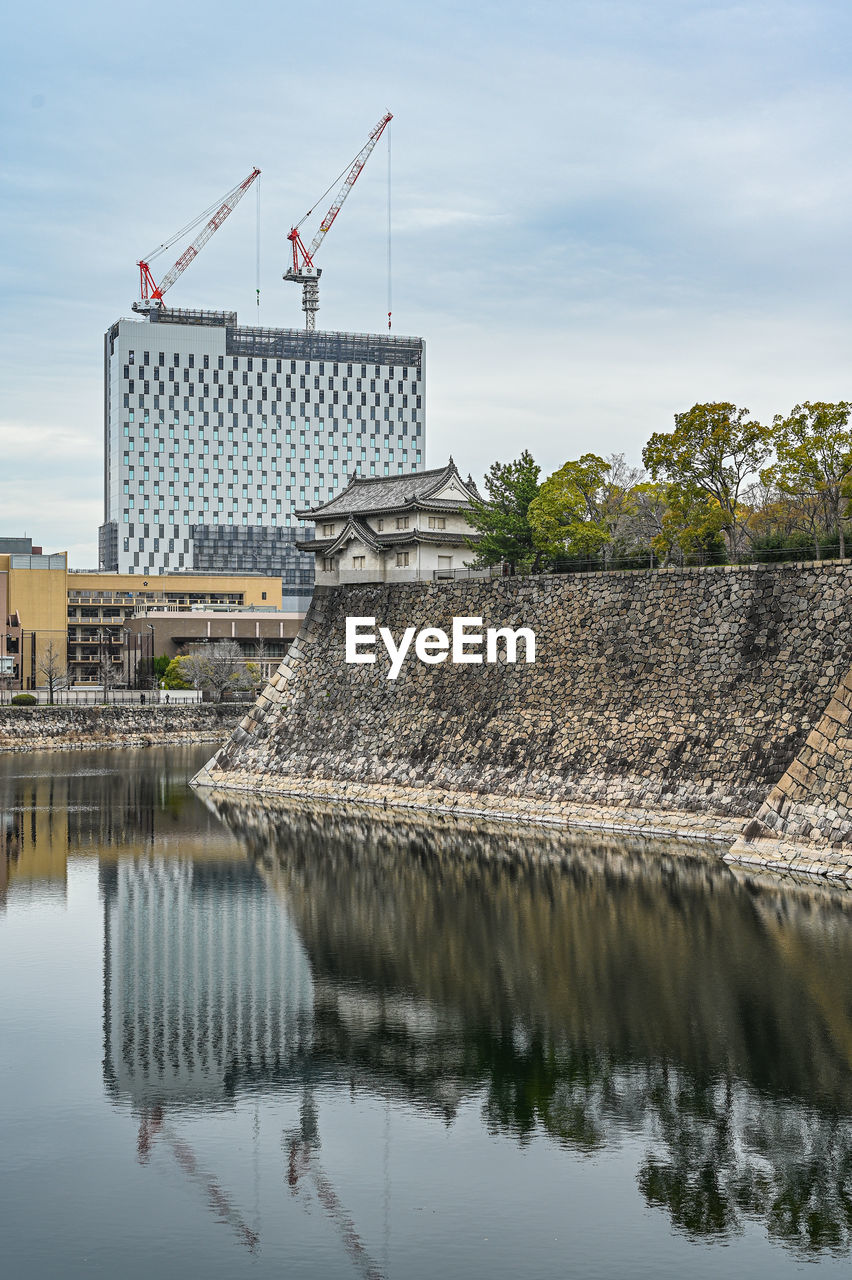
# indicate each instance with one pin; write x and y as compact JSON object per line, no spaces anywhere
{"x":122,"y":725}
{"x":680,"y":692}
{"x":806,"y":819}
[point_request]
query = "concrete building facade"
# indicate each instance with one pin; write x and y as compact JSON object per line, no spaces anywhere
{"x":89,"y":617}
{"x":106,"y":609}
{"x":32,"y":613}
{"x":263,"y":637}
{"x":216,"y":434}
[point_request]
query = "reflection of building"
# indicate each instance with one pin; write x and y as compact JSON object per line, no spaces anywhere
{"x":33,"y":851}
{"x":206,"y":980}
{"x":83,"y":805}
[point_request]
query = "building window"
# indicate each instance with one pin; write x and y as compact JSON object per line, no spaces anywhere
{"x":437,"y":522}
{"x":402,"y":559}
{"x":358,"y":562}
{"x":328,"y":563}
{"x":402,"y":522}
{"x":327,"y":530}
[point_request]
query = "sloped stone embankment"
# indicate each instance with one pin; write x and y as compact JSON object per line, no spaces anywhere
{"x":73,"y":727}
{"x":671,"y":700}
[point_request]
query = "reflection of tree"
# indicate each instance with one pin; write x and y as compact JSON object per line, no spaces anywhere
{"x":725,"y":1155}
{"x":535,"y":1085}
{"x":700,"y":1144}
{"x":587,"y":990}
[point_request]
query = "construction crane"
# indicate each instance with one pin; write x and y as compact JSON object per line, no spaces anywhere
{"x":151,"y":293}
{"x":303,"y":271}
{"x":301,"y":1146}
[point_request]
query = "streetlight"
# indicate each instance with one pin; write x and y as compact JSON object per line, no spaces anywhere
{"x":150,"y":627}
{"x":132,"y":657}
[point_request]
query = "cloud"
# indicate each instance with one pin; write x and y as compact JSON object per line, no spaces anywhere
{"x":436,"y":219}
{"x":602,"y":211}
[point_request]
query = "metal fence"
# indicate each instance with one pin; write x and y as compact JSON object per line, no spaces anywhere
{"x":95,"y":696}
{"x":787,"y":556}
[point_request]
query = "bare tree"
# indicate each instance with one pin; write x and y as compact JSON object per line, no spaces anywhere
{"x":217,"y":668}
{"x":617,"y":500}
{"x":261,"y":659}
{"x":646,"y":521}
{"x":106,"y":675}
{"x":52,"y":667}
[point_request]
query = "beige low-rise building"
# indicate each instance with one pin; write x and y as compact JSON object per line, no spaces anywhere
{"x":33,"y":606}
{"x":82,"y":622}
{"x":103,"y":609}
{"x":394,"y":528}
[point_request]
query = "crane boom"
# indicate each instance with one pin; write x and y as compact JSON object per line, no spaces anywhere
{"x":303,"y":271}
{"x":151,"y":292}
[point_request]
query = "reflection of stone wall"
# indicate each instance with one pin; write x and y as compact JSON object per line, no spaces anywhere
{"x":680,"y":691}
{"x":585,"y":988}
{"x":642,"y":950}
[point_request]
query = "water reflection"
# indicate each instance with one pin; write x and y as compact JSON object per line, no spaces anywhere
{"x":587,"y":994}
{"x":205,"y":979}
{"x":586,"y":990}
{"x":56,"y":805}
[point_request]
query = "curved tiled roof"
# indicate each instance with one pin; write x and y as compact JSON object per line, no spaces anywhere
{"x":356,"y":528}
{"x":377,"y":494}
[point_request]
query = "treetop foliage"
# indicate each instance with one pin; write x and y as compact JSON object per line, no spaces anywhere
{"x":719,"y":486}
{"x":502,"y":520}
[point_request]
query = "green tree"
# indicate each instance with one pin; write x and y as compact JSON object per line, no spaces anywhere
{"x":714,"y":449}
{"x":813,"y":447}
{"x":174,"y":677}
{"x":691,"y":524}
{"x":568,"y":516}
{"x":502,"y":521}
{"x":161,"y":666}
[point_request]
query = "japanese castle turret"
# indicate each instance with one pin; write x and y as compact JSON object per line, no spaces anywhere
{"x":394,"y":528}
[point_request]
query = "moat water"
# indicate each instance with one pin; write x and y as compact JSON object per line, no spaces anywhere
{"x":239,"y":1040}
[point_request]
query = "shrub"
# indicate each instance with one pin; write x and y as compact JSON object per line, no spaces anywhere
{"x":24,"y":700}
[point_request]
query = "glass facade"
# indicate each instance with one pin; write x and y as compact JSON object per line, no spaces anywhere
{"x":216,"y":434}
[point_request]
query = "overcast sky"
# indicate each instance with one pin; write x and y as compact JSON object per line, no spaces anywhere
{"x":603,"y":211}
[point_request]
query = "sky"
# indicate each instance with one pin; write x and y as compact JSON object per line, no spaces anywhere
{"x":602,"y":212}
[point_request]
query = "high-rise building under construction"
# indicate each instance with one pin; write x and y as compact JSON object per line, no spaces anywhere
{"x":216,"y":433}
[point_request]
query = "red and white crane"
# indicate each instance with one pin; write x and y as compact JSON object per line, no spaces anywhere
{"x":151,"y":293}
{"x":303,"y":271}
